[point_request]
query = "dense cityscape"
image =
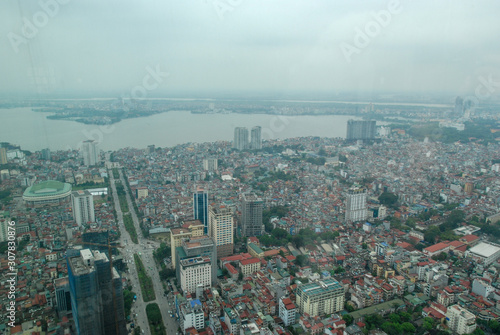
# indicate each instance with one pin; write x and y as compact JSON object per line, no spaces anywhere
{"x":230,"y":167}
{"x":391,"y":230}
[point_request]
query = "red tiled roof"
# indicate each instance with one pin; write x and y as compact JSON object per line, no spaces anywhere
{"x":469,"y":238}
{"x":250,"y":261}
{"x":436,"y":247}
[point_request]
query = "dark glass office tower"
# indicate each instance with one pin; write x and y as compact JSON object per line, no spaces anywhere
{"x":200,"y":207}
{"x":91,"y":285}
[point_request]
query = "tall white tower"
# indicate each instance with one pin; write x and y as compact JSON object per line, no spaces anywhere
{"x":240,"y":138}
{"x":83,"y":206}
{"x":356,"y":205}
{"x":256,"y":138}
{"x":90,"y":153}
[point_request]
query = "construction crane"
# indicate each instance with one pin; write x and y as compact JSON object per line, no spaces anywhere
{"x":109,"y":246}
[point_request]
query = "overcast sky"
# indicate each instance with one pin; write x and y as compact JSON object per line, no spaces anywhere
{"x":109,"y":47}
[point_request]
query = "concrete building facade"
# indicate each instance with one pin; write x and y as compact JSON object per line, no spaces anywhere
{"x":188,"y":229}
{"x":195,"y":271}
{"x":240,"y":138}
{"x":287,"y":311}
{"x":198,"y":246}
{"x":82,"y":203}
{"x":251,"y":215}
{"x":361,"y":129}
{"x":256,"y":138}
{"x":321,"y":297}
{"x":90,"y":153}
{"x":356,"y":209}
{"x":221,"y":226}
{"x":460,"y":320}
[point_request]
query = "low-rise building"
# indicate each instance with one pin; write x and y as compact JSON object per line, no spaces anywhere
{"x":287,"y":311}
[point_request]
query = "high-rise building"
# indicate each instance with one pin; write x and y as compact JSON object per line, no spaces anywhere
{"x":356,"y":209}
{"x":240,"y":138}
{"x":210,"y":164}
{"x":63,"y":296}
{"x":188,"y":229}
{"x":200,"y":207}
{"x":361,"y":129}
{"x":256,"y":138}
{"x":287,"y":311}
{"x":460,"y":320}
{"x":3,"y":156}
{"x":220,"y":223}
{"x":45,"y":154}
{"x":468,"y":187}
{"x":251,"y":215}
{"x":90,"y":153}
{"x":320,"y":298}
{"x":82,"y":203}
{"x":4,"y":229}
{"x":195,"y":247}
{"x":195,"y":271}
{"x":96,"y":294}
{"x":459,"y":106}
{"x":151,"y":149}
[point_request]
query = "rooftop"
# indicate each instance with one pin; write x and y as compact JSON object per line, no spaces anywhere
{"x":321,"y":286}
{"x":47,"y":188}
{"x":195,"y":261}
{"x":484,"y":249}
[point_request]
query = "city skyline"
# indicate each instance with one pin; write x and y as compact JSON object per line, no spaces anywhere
{"x":250,"y":167}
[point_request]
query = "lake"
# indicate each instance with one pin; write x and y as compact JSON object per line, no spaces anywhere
{"x":33,"y":131}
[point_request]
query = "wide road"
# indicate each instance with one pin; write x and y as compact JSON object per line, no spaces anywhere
{"x":145,"y":248}
{"x":127,"y":253}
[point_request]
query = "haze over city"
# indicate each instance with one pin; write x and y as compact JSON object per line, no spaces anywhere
{"x":279,"y":48}
{"x":249,"y":167}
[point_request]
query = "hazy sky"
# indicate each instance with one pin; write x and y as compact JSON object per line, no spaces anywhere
{"x":110,"y":47}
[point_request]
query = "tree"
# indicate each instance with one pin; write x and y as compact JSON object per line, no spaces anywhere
{"x":431,"y":233}
{"x":165,"y":274}
{"x":374,"y":321}
{"x":408,"y":327}
{"x":329,"y":235}
{"x":279,"y":233}
{"x":405,"y":317}
{"x":420,"y":247}
{"x":394,"y":318}
{"x":348,"y":319}
{"x":478,"y":331}
{"x":301,"y":260}
{"x":153,"y":313}
{"x":441,"y":257}
{"x":364,"y":246}
{"x":339,"y":270}
{"x":388,"y":199}
{"x":298,"y":241}
{"x":428,"y":323}
{"x":348,"y":307}
{"x":240,"y":275}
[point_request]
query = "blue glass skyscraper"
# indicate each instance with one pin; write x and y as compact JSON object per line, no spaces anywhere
{"x":200,"y":207}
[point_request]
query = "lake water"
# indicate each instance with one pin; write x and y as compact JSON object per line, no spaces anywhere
{"x":33,"y":131}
